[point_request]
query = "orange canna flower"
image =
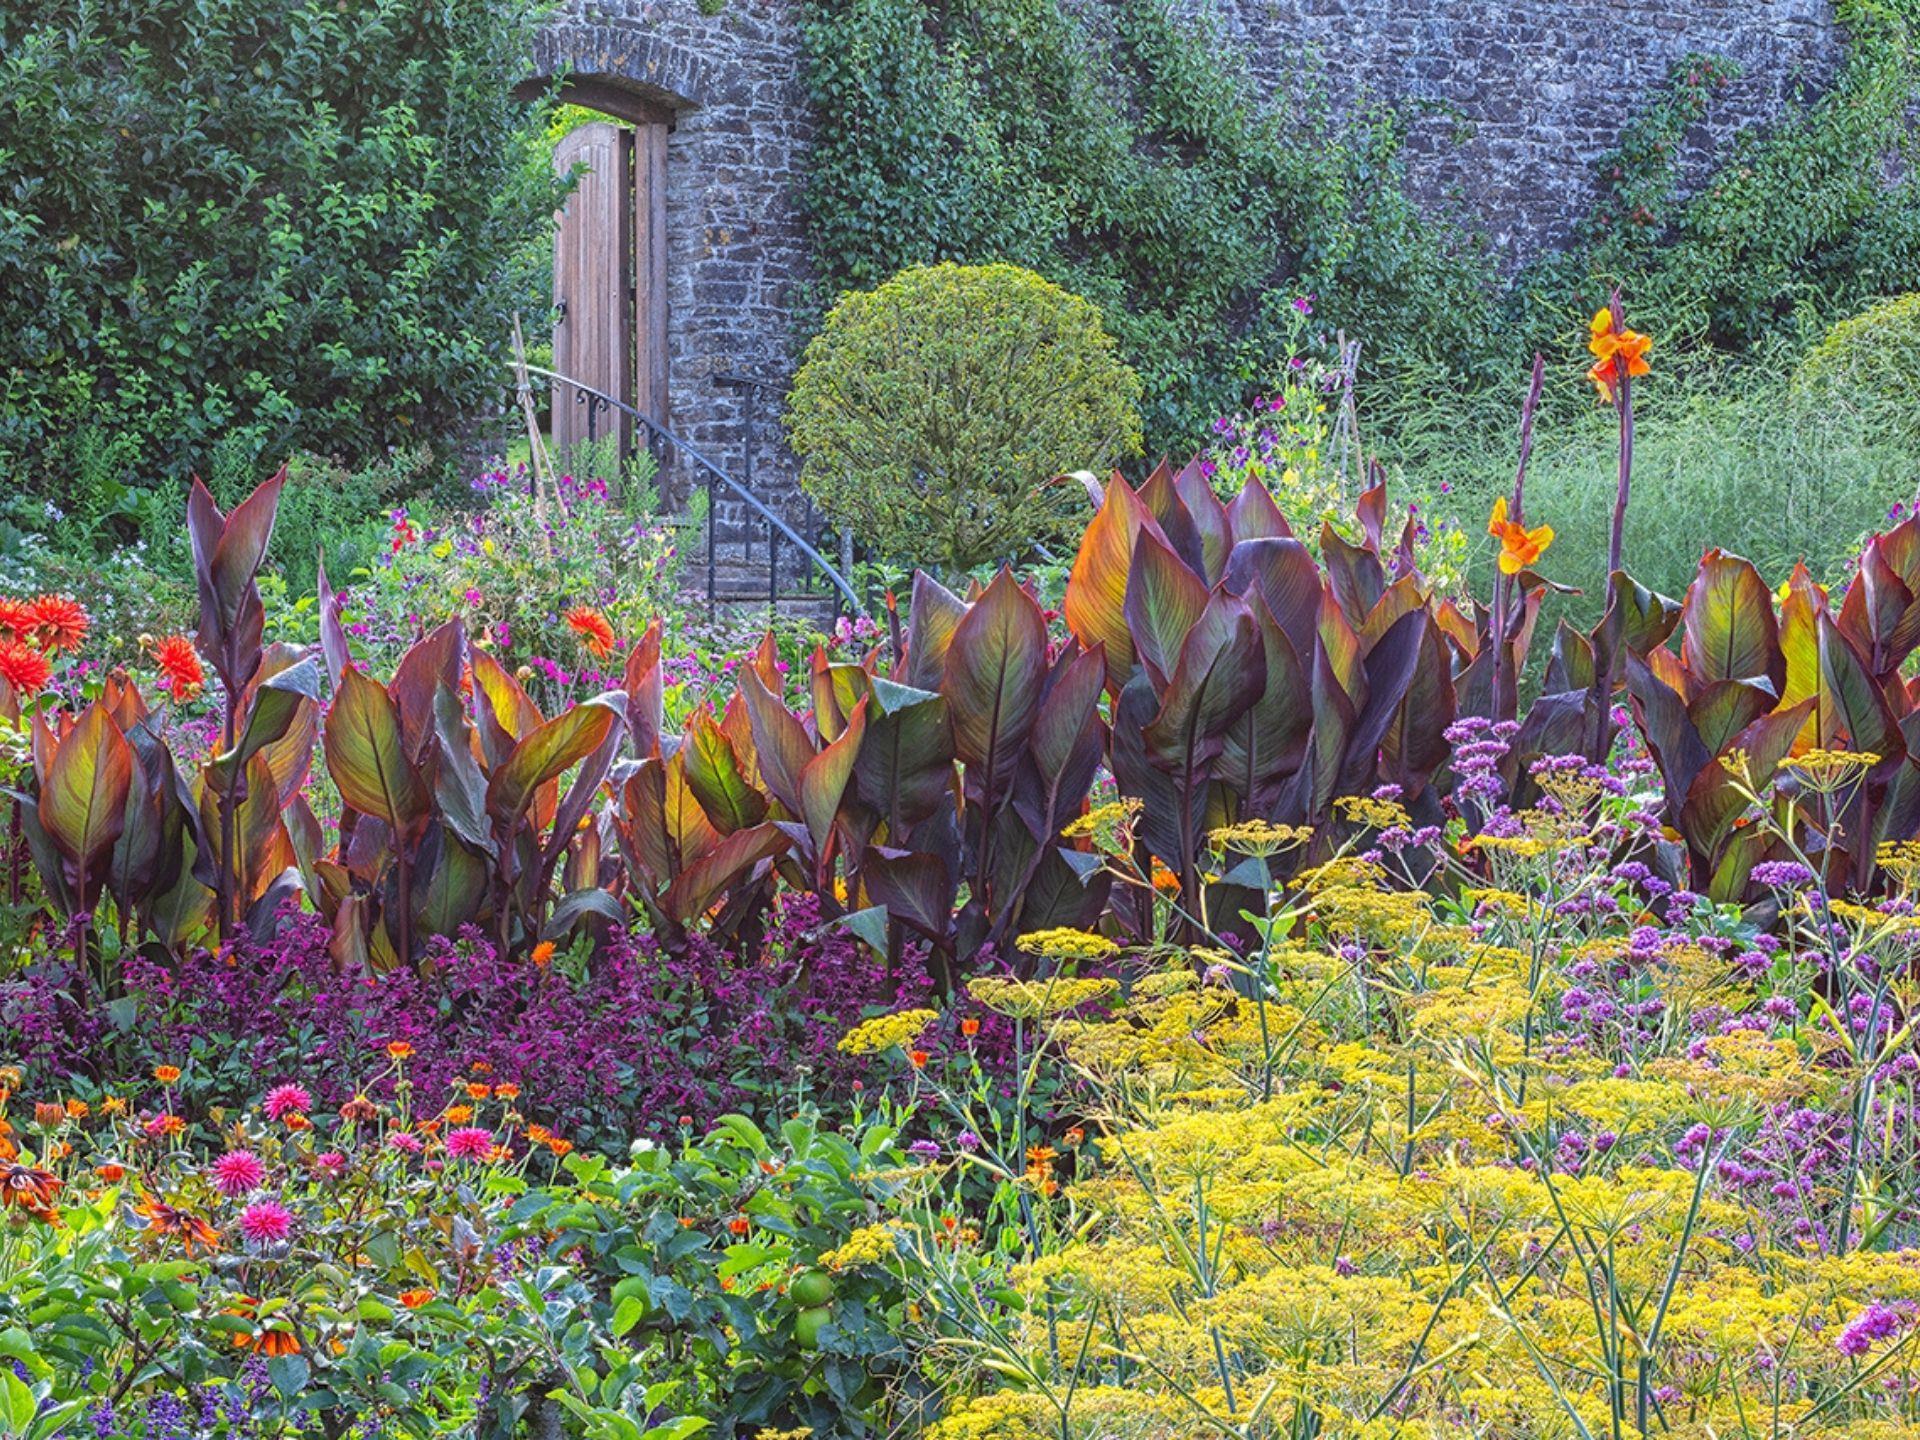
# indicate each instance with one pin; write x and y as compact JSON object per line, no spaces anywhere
{"x":1519,"y":546}
{"x":590,"y":627}
{"x":1619,"y":354}
{"x":179,"y":667}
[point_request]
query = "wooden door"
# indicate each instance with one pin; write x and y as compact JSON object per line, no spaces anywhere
{"x":592,"y":285}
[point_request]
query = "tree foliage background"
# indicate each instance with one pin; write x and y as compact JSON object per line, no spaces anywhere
{"x":262,"y":225}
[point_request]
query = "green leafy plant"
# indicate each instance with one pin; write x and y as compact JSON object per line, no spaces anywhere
{"x":932,"y":412}
{"x":321,"y":258}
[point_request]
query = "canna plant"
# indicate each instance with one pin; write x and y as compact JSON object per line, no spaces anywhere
{"x":451,"y":807}
{"x":1246,"y":681}
{"x":1760,"y":682}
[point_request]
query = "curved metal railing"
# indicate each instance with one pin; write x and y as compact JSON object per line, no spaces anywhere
{"x":777,"y":528}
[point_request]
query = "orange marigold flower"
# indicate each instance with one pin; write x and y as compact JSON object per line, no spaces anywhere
{"x":542,"y":955}
{"x":414,"y":1299}
{"x":477,"y":1091}
{"x":457,"y":1114}
{"x":918,"y":1059}
{"x":179,"y":666}
{"x":506,"y":1091}
{"x":590,"y":627}
{"x":23,"y":667}
{"x":559,"y":1146}
{"x":970,"y":1027}
{"x":1519,"y":546}
{"x":166,"y":1074}
{"x":78,"y":1109}
{"x":111,"y":1172}
{"x":59,"y":621}
{"x":399,"y":1050}
{"x":49,"y":1116}
{"x":27,"y":1187}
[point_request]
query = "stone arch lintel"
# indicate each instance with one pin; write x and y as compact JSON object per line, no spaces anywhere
{"x":630,"y":75}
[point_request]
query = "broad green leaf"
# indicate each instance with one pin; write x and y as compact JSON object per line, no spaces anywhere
{"x":547,"y":753}
{"x":367,"y":758}
{"x":84,"y":789}
{"x":992,"y":685}
{"x":1727,"y":624}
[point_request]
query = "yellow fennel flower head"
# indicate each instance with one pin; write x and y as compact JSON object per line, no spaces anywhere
{"x":1374,"y":813}
{"x":1067,"y":944}
{"x":1105,"y":824}
{"x":1033,"y":999}
{"x":1900,"y":859}
{"x":886,"y":1032}
{"x":1826,"y":772}
{"x":1259,"y":838}
{"x":869,"y":1245}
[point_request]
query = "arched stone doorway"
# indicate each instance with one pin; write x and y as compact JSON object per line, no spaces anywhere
{"x":610,"y":282}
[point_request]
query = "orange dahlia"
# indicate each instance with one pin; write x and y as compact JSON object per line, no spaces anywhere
{"x":60,"y":622}
{"x":179,"y":666}
{"x":16,"y":617}
{"x":23,"y":667}
{"x":590,"y":627}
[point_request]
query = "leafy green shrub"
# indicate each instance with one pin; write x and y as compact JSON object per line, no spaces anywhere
{"x":932,"y":411}
{"x":1868,"y":367}
{"x":296,"y":223}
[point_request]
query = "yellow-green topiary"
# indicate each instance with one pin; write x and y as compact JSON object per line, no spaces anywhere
{"x":931,"y":413}
{"x":1868,"y":366}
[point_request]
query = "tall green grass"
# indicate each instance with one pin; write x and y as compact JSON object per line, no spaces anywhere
{"x":1744,"y":466}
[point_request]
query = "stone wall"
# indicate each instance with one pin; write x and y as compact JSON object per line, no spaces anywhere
{"x":1507,"y":105}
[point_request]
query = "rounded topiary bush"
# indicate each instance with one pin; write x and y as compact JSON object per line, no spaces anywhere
{"x":931,"y":413}
{"x":1867,"y":367}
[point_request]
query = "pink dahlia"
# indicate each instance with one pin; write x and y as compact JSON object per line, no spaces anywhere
{"x":266,"y":1222}
{"x":237,"y":1173}
{"x":285,"y":1100}
{"x":470,"y":1142}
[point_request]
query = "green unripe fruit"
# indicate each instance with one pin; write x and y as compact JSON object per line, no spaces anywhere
{"x":806,"y":1329}
{"x":814,"y":1287}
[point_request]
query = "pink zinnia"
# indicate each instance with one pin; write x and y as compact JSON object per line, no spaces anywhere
{"x":333,"y":1162}
{"x":266,"y":1222}
{"x":238,"y":1172}
{"x":404,"y":1140}
{"x":284,"y":1100}
{"x":470,"y":1142}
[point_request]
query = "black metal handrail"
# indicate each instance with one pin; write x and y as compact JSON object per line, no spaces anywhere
{"x":776,"y":527}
